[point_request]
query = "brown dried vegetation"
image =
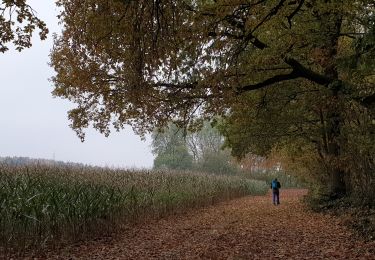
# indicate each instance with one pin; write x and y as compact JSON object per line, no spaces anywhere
{"x":246,"y":228}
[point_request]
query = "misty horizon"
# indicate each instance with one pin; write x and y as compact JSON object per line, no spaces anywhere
{"x":35,"y":125}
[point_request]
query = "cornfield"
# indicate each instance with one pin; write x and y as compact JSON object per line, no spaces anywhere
{"x":43,"y":205}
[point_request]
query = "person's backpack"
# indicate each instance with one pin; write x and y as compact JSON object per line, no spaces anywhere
{"x":274,"y":185}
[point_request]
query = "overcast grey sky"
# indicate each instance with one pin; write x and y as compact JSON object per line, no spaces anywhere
{"x":34,"y":124}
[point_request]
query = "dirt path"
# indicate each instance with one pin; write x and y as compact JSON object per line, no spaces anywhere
{"x":246,"y":228}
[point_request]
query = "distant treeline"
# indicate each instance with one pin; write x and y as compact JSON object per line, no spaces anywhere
{"x":24,"y":161}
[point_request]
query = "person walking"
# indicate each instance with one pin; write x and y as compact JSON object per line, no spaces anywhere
{"x":275,"y":186}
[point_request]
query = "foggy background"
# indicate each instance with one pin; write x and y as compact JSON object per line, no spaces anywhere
{"x":34,"y":124}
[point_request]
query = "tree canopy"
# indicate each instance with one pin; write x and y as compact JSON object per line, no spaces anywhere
{"x":276,"y":70}
{"x":18,"y":21}
{"x":146,"y":62}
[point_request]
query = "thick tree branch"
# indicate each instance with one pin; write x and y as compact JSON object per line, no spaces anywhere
{"x":298,"y":71}
{"x":307,"y":73}
{"x":270,"y":81}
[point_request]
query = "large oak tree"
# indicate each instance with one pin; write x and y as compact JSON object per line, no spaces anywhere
{"x":148,"y":62}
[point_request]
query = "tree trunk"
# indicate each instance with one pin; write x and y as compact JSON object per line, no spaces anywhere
{"x":337,"y":180}
{"x":331,"y":27}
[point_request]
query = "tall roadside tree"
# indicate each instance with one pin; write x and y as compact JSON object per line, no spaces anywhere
{"x":206,"y":145}
{"x":204,"y":142}
{"x":148,"y":62}
{"x":18,"y":21}
{"x":176,"y":148}
{"x":169,"y":147}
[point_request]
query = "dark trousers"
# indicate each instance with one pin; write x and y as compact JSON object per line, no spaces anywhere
{"x":275,"y":196}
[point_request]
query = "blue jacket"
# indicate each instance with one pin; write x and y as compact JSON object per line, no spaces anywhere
{"x":275,"y":185}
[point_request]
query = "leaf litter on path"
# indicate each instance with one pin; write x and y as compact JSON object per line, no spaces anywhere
{"x":245,"y":228}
